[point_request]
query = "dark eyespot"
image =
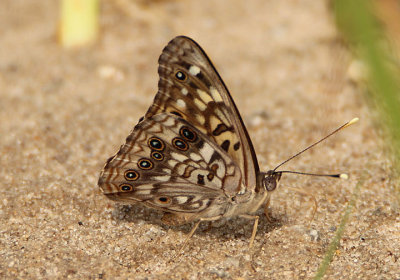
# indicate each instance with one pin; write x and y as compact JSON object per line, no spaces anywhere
{"x":180,"y":144}
{"x":188,"y":134}
{"x":125,"y":188}
{"x":236,"y":146}
{"x":164,"y":199}
{"x":145,"y":164}
{"x":157,"y":156}
{"x":156,"y":144}
{"x":180,"y":76}
{"x":131,"y":175}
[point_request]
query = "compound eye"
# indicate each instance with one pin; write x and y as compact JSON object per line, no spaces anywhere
{"x":270,"y":183}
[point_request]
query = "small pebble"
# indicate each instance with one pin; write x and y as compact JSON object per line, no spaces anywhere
{"x":315,"y":235}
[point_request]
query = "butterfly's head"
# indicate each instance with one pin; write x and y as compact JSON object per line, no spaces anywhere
{"x":270,"y":179}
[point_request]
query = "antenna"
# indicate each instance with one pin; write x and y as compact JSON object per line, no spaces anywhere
{"x":343,"y":176}
{"x":340,"y":175}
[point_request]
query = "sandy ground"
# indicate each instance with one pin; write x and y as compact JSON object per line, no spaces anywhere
{"x":64,"y":112}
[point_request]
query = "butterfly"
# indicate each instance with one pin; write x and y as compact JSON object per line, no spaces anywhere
{"x":190,"y":156}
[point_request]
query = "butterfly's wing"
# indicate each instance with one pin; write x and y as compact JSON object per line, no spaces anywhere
{"x":169,"y":165}
{"x":190,"y":87}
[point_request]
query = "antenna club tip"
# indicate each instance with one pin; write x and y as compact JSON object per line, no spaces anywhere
{"x":353,"y":121}
{"x":344,"y":176}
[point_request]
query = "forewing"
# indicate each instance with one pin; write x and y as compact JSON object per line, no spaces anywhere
{"x":190,"y":87}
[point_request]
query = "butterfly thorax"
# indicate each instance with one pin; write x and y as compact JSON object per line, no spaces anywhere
{"x":252,"y":199}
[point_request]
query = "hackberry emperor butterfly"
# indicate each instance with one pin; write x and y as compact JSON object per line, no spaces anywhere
{"x":190,"y":156}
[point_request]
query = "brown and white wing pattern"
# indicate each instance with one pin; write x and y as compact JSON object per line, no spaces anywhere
{"x":170,"y":165}
{"x":191,"y":88}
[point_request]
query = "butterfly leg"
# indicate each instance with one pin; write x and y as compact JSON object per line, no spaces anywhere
{"x":195,"y":228}
{"x":266,"y":211}
{"x":253,"y":234}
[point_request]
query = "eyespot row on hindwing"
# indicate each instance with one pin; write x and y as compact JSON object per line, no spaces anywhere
{"x":157,"y":147}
